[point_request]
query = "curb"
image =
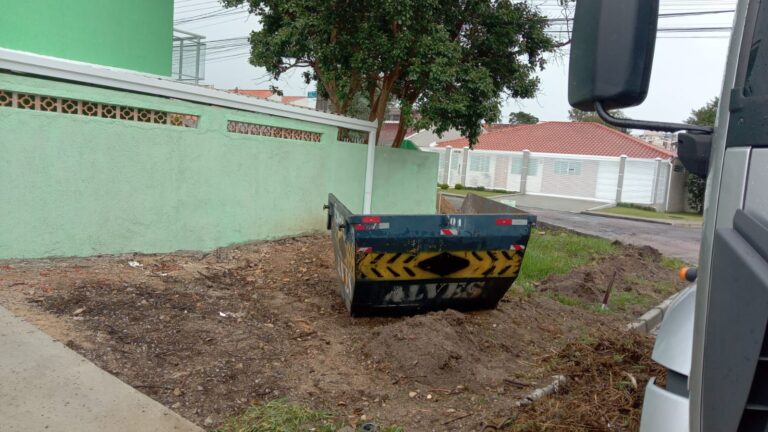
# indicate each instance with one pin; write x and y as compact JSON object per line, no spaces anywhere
{"x":639,"y":219}
{"x":600,"y":207}
{"x":651,"y":319}
{"x":509,"y":195}
{"x":451,"y":194}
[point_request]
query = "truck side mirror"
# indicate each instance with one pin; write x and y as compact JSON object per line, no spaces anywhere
{"x":612,"y":53}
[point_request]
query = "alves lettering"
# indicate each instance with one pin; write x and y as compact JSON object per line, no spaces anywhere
{"x":418,"y":293}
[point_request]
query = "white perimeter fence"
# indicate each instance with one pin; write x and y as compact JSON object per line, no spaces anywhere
{"x":608,"y":179}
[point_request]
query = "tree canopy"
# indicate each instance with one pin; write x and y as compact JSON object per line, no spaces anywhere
{"x":522,"y":117}
{"x":452,"y":61}
{"x":578,"y":115}
{"x":705,"y":115}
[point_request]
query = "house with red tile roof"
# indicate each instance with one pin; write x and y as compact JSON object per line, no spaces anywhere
{"x":567,"y":159}
{"x":386,"y":134}
{"x":303,"y":101}
{"x":577,"y":138}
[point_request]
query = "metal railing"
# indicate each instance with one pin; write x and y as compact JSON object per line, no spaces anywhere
{"x":189,"y":51}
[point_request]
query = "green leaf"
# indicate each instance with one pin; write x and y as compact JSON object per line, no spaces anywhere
{"x":448,"y":64}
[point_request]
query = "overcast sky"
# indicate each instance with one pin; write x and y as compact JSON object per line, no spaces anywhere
{"x":687,"y":71}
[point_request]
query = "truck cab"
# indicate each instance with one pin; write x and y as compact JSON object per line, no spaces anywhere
{"x":713,"y":341}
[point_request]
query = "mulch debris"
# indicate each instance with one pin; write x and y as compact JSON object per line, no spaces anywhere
{"x":208,"y":334}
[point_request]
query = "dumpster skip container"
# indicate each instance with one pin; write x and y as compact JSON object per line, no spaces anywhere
{"x":407,"y":264}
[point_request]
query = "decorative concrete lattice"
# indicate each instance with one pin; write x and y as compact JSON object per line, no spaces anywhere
{"x":272,"y":131}
{"x":12,"y":99}
{"x":352,"y":136}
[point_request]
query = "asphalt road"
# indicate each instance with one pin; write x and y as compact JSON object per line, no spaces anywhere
{"x":674,"y":241}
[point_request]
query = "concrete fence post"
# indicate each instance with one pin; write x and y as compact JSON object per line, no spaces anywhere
{"x":654,"y":194}
{"x":524,"y":171}
{"x":620,"y":183}
{"x":447,"y":165}
{"x":464,"y":163}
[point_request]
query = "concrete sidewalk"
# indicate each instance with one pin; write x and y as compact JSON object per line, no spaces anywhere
{"x":45,"y":386}
{"x":550,"y":203}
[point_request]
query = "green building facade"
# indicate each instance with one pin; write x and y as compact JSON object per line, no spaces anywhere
{"x":135,"y":35}
{"x":88,"y":170}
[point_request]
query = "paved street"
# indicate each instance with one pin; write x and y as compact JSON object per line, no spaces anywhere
{"x":674,"y":241}
{"x":679,"y":242}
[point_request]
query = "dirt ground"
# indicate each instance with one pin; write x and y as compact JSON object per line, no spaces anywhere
{"x":635,"y":274}
{"x":207,"y":334}
{"x":606,"y":379}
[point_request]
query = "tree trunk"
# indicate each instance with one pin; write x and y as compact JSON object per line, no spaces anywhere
{"x":379,"y":111}
{"x":401,"y":131}
{"x":379,"y":106}
{"x":401,"y":127}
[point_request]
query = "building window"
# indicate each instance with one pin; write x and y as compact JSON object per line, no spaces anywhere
{"x":480,"y":163}
{"x":567,"y":167}
{"x":516,"y":166}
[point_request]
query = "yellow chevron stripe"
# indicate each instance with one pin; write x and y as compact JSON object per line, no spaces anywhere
{"x":392,"y":266}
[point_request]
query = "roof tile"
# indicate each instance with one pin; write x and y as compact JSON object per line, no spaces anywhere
{"x":580,"y":138}
{"x":388,"y":133}
{"x":264,"y":94}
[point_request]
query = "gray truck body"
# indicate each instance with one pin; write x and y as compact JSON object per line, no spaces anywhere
{"x":713,"y":341}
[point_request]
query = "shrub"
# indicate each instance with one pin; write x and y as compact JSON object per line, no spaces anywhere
{"x":696,"y":187}
{"x":458,"y":186}
{"x":480,"y":188}
{"x":444,"y":186}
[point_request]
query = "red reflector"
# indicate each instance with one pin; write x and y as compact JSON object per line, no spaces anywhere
{"x":371,"y":219}
{"x":359,"y":227}
{"x":503,"y":221}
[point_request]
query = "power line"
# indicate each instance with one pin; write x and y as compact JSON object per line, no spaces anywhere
{"x":664,"y":15}
{"x":187,"y":3}
{"x":215,"y":23}
{"x":232,"y":48}
{"x":198,"y":9}
{"x":670,"y":30}
{"x":209,"y":15}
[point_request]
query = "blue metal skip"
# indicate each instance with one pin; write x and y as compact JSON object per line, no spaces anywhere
{"x":408,"y":264}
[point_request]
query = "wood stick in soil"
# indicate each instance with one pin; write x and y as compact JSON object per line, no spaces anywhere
{"x":456,"y":419}
{"x":608,"y":291}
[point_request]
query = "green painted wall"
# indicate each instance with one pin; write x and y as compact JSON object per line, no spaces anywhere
{"x":130,"y":34}
{"x":75,"y":185}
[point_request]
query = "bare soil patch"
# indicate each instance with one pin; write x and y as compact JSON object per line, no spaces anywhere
{"x":639,"y":280}
{"x":207,"y":334}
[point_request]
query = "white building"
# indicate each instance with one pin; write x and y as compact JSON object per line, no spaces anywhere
{"x":665,"y":140}
{"x":568,"y":159}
